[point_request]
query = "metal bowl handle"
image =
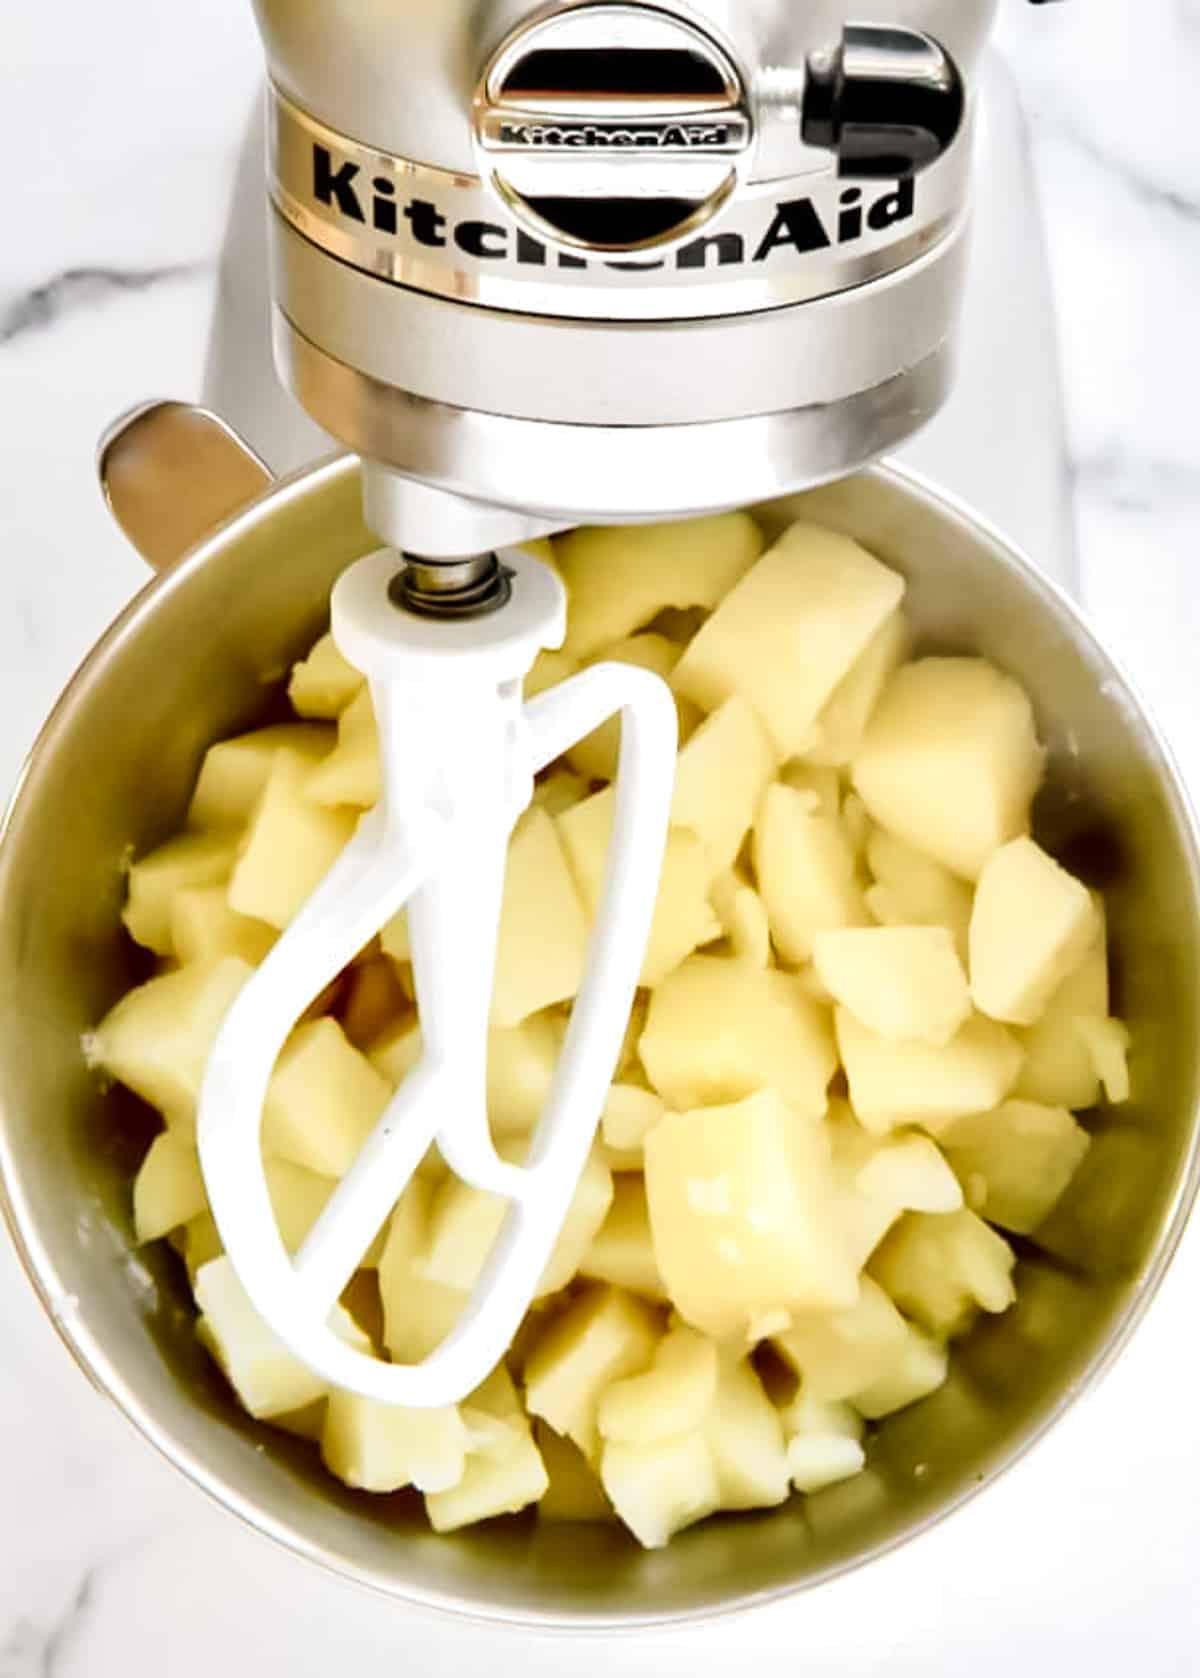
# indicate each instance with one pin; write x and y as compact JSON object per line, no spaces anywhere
{"x":171,"y":473}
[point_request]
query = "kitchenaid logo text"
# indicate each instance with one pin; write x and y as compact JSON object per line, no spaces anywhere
{"x":795,"y":226}
{"x":593,"y":136}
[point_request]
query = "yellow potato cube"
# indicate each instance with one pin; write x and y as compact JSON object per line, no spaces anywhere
{"x":745,"y":1437}
{"x":323,"y":1100}
{"x":596,"y":756}
{"x":673,"y":1396}
{"x":939,"y":1269}
{"x":893,"y":1084}
{"x":821,"y":787}
{"x":807,"y":872}
{"x":743,"y":917}
{"x":720,"y":779}
{"x":1059,"y":1070}
{"x":521,"y":1065}
{"x":659,"y":1489}
{"x":395,"y":1054}
{"x":630,"y":1114}
{"x":824,"y":1441}
{"x":234,"y":772}
{"x":324,"y":683}
{"x":268,"y":1380}
{"x":574,"y":1492}
{"x":585,"y":1218}
{"x":157,"y":1039}
{"x":350,"y":773}
{"x":920,"y":1369}
{"x":384,"y":1447}
{"x":168,"y":1190}
{"x":291,"y":844}
{"x":602,"y":1336}
{"x":879,"y":1178}
{"x":1031,"y":926}
{"x":904,"y":983}
{"x":718,"y":1031}
{"x":849,"y":708}
{"x":201,"y":1244}
{"x":950,"y":760}
{"x":493,"y":1483}
{"x":1015,"y":1163}
{"x":559,"y":790}
{"x":417,"y":1313}
{"x":543,"y":927}
{"x":1108,"y":1043}
{"x":838,"y":1353}
{"x":790,"y":630}
{"x":193,"y":859}
{"x":683,"y":916}
{"x":373,"y":1001}
{"x":622,"y":1251}
{"x":203,"y":928}
{"x":619,"y":579}
{"x":743,"y":1214}
{"x":913,"y":890}
{"x":298,"y":1198}
{"x":463,"y":1225}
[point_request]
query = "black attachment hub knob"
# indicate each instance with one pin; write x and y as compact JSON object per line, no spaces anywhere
{"x":888,"y":101}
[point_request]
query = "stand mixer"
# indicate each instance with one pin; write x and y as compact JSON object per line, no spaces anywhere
{"x":583,"y":263}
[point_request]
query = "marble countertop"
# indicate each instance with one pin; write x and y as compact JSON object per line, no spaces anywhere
{"x":128,"y":119}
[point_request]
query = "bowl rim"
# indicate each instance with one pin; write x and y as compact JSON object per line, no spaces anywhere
{"x":102,"y":1373}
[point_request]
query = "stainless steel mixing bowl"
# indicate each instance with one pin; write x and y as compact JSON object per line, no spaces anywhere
{"x":200,"y":654}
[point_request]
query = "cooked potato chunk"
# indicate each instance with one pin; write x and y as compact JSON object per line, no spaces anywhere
{"x":622,"y":1251}
{"x":849,"y":708}
{"x":323,"y":684}
{"x":630,"y":1113}
{"x":913,"y":890}
{"x":940,"y":1269}
{"x":838,"y":1353}
{"x":718,"y":1031}
{"x":824,"y":1442}
{"x":618,"y":580}
{"x":543,"y":928}
{"x":673,"y":1396}
{"x":1015,"y":1163}
{"x":193,"y":859}
{"x":720,"y":778}
{"x":169,"y":1189}
{"x":950,"y":760}
{"x":920,"y":1370}
{"x":350,"y":773}
{"x":291,"y":844}
{"x":740,"y":910}
{"x":203,"y":928}
{"x":585,"y":1218}
{"x":1108,"y":1041}
{"x":323,"y":1100}
{"x":384,"y":1447}
{"x":1031,"y":926}
{"x":745,"y":1437}
{"x":596,"y":756}
{"x":417,"y":1313}
{"x":895,"y":1084}
{"x":743,"y":1214}
{"x":603,"y":1335}
{"x":904,"y":983}
{"x":1059,"y":1069}
{"x":807,"y":872}
{"x":787,"y":634}
{"x":659,"y":1489}
{"x":234,"y":772}
{"x":881,"y":1177}
{"x":500,"y":1480}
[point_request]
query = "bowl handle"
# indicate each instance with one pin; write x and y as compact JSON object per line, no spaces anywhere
{"x":171,"y":473}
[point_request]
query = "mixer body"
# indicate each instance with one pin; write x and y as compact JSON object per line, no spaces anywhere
{"x":539,"y":265}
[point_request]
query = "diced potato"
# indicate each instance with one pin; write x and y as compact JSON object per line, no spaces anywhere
{"x":743,"y":1214}
{"x":894,"y":1084}
{"x":619,"y":579}
{"x":603,"y":1335}
{"x":493,"y":1483}
{"x":622,"y":1251}
{"x":1059,"y":1069}
{"x":849,"y":708}
{"x":520,"y":1072}
{"x":1108,"y":1041}
{"x":463,"y":1225}
{"x":720,"y":779}
{"x":372,"y":1002}
{"x":384,"y":1447}
{"x":816,"y":1460}
{"x":743,"y":916}
{"x":574,"y":1492}
{"x":913,"y":890}
{"x":201,"y":1244}
{"x":396,"y":1053}
{"x":903,"y":983}
{"x":234,"y":772}
{"x":807,"y":872}
{"x":291,"y":844}
{"x":268,"y":1380}
{"x":673,"y":1396}
{"x":350,"y":774}
{"x":745,"y":1437}
{"x":549,"y":669}
{"x":805,"y":1416}
{"x":193,"y":859}
{"x":543,"y":928}
{"x":630,"y":1114}
{"x":683,"y":916}
{"x":417,"y":1313}
{"x":596,"y":756}
{"x":585,"y":1218}
{"x":559,"y":790}
{"x":323,"y":684}
{"x":790,"y":630}
{"x":879,"y":1178}
{"x":940,"y":1269}
{"x":323,"y":1100}
{"x":659,"y":1489}
{"x":157,"y":1039}
{"x":169,"y":1189}
{"x":298,"y":1198}
{"x":1031,"y":926}
{"x":950,"y":760}
{"x":203,"y":928}
{"x":1015,"y":1163}
{"x":718,"y":1031}
{"x":838,"y":1353}
{"x":920,"y":1369}
{"x":821,"y":787}
{"x":306,"y":1423}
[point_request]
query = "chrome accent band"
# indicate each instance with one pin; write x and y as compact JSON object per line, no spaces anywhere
{"x":434,"y":231}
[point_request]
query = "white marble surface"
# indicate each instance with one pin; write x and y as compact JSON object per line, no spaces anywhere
{"x":120,"y":126}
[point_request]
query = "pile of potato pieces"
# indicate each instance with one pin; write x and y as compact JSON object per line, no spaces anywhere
{"x":871,"y":1006}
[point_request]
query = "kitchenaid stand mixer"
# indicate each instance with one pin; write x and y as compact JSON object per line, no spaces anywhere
{"x":601,"y":263}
